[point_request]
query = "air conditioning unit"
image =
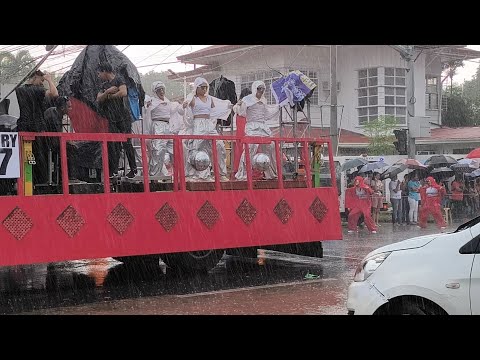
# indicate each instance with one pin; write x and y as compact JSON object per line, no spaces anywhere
{"x":326,"y":86}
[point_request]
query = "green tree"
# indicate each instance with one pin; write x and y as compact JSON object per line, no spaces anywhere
{"x":450,"y":69}
{"x":471,"y":92}
{"x":173,"y":88}
{"x":6,"y":58}
{"x":380,"y":135}
{"x":13,"y":67}
{"x":460,"y":109}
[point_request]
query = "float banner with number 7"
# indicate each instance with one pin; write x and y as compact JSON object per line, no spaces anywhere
{"x":9,"y":155}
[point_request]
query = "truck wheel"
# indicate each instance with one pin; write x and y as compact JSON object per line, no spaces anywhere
{"x":193,"y":261}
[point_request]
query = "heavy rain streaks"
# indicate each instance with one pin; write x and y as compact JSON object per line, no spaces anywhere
{"x":282,"y":284}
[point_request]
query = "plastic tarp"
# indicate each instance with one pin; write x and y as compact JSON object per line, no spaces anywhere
{"x":81,"y":84}
{"x":292,"y":89}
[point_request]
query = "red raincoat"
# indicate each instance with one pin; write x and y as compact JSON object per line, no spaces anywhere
{"x":359,"y":205}
{"x":432,"y":203}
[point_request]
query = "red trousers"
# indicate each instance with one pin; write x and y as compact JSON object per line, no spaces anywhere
{"x":241,"y":122}
{"x":435,"y":211}
{"x":355,"y":214}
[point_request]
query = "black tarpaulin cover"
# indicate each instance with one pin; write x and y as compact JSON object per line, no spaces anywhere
{"x":81,"y":84}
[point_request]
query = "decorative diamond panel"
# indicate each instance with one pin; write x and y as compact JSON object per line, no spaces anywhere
{"x":120,"y":218}
{"x":246,"y":212}
{"x":318,"y":209}
{"x":18,"y":223}
{"x":70,"y":221}
{"x":283,"y":211}
{"x":208,"y":214}
{"x":167,"y":217}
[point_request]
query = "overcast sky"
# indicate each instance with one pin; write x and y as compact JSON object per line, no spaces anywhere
{"x":143,"y":55}
{"x":467,"y":72}
{"x":164,"y":57}
{"x":139,"y":54}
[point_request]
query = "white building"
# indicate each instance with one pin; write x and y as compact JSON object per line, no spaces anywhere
{"x":371,"y":80}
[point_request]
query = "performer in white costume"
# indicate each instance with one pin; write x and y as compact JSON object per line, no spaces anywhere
{"x":255,"y":109}
{"x":203,"y":110}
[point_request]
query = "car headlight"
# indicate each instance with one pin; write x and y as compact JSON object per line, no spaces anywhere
{"x":369,"y":265}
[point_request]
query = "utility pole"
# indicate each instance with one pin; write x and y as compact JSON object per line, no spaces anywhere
{"x":333,"y":99}
{"x":411,"y":106}
{"x":184,"y":88}
{"x":407,"y":53}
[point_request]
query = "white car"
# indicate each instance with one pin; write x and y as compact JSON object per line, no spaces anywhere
{"x":434,"y":274}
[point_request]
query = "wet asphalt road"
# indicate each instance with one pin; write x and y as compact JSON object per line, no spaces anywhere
{"x":285,"y":284}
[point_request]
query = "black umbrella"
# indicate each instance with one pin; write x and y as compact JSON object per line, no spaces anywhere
{"x":474,"y":173}
{"x":441,"y":169}
{"x":350,"y":164}
{"x":465,"y":166}
{"x":440,"y":159}
{"x":461,"y":168}
{"x":373,"y":166}
{"x":393,"y":170}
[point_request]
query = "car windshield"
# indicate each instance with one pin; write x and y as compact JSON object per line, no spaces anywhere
{"x":468,"y":224}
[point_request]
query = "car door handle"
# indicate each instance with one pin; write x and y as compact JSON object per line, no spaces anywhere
{"x":452,"y":286}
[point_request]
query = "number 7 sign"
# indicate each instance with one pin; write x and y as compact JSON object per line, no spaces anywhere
{"x":9,"y":156}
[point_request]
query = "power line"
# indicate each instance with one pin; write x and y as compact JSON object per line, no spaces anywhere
{"x":149,"y":56}
{"x":165,"y":63}
{"x":247,"y":50}
{"x":169,"y":56}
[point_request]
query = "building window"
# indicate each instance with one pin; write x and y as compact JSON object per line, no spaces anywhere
{"x":393,"y":87}
{"x":426,"y":152}
{"x":367,"y":95}
{"x":395,"y":94}
{"x":462,"y":151}
{"x":431,"y":92}
{"x":395,"y":77}
{"x":270,"y":76}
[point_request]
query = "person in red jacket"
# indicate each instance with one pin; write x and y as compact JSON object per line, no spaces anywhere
{"x":431,"y":195}
{"x":358,"y":201}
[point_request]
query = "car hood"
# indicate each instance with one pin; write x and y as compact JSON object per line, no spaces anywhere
{"x":412,"y":243}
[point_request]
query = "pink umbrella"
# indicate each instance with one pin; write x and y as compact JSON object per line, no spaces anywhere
{"x":411,"y":164}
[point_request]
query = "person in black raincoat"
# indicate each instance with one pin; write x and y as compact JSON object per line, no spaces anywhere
{"x":81,"y":84}
{"x":224,"y":89}
{"x":33,"y":99}
{"x":111,"y":100}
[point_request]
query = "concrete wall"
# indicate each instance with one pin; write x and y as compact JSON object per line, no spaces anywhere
{"x":283,"y":58}
{"x":353,"y":58}
{"x":433,"y":66}
{"x":317,"y":58}
{"x":448,"y":148}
